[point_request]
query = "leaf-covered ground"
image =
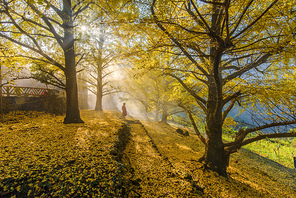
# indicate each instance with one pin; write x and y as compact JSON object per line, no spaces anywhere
{"x":111,"y":157}
{"x":250,"y":175}
{"x":41,"y":157}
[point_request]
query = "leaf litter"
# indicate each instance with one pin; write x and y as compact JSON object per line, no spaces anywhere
{"x":111,"y":157}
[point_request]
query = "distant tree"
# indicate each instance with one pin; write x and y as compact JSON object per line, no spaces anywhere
{"x":153,"y":91}
{"x":10,"y":69}
{"x":99,"y":61}
{"x":101,"y":42}
{"x":225,"y":53}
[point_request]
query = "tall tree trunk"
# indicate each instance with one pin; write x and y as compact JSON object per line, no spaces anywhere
{"x":215,"y":157}
{"x":146,"y":117}
{"x":99,"y":71}
{"x":164,"y":116}
{"x":99,"y":91}
{"x":156,"y":118}
{"x":72,"y":110}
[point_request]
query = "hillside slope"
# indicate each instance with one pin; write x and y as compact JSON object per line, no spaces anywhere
{"x":111,"y":157}
{"x":250,"y":175}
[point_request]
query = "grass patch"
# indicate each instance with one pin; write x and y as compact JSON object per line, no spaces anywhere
{"x":280,"y":150}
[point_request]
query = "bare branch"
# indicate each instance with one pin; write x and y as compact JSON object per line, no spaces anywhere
{"x":80,"y":59}
{"x":274,"y":124}
{"x":228,"y":109}
{"x":233,"y":60}
{"x":211,"y":2}
{"x":58,"y":11}
{"x":81,"y":9}
{"x":200,"y":16}
{"x":21,"y":29}
{"x":47,"y":22}
{"x":231,"y":97}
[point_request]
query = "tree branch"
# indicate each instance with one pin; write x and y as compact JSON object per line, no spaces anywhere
{"x":58,"y":38}
{"x":175,"y":40}
{"x":264,"y":136}
{"x":211,"y":2}
{"x":231,"y":97}
{"x":241,"y":17}
{"x":81,"y":9}
{"x":58,"y":11}
{"x":261,"y":60}
{"x":53,"y":62}
{"x":228,"y":109}
{"x":256,"y":20}
{"x":201,"y":137}
{"x":274,"y":124}
{"x":203,"y":101}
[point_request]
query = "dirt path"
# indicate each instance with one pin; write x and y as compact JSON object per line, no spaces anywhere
{"x":153,"y":175}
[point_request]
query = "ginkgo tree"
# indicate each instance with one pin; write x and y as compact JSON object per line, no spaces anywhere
{"x":229,"y":53}
{"x":37,"y":26}
{"x":153,"y":90}
{"x":100,"y":59}
{"x":11,"y":69}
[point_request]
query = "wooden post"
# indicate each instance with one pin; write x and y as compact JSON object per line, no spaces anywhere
{"x":7,"y":91}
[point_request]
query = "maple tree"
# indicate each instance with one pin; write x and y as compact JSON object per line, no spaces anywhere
{"x":225,"y":53}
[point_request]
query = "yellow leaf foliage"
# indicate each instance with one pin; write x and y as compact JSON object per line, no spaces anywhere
{"x":41,"y":157}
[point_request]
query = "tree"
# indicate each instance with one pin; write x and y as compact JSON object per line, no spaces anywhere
{"x":153,"y":90}
{"x":10,"y":69}
{"x":228,"y":51}
{"x":44,"y":32}
{"x":100,"y":39}
{"x":98,"y":63}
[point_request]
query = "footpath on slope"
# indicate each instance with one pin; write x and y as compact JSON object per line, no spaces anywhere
{"x":152,"y":175}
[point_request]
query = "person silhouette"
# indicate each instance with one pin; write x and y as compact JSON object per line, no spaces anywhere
{"x":124,"y":112}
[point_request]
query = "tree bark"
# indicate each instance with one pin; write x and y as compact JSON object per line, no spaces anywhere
{"x":156,"y":118}
{"x":164,"y":115}
{"x":99,"y":72}
{"x":1,"y":99}
{"x":99,"y":92}
{"x":145,"y":112}
{"x":72,"y":110}
{"x":215,"y":156}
